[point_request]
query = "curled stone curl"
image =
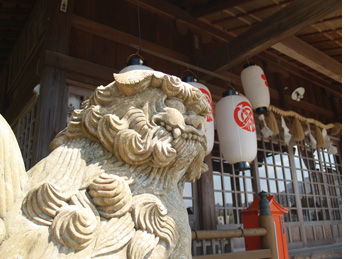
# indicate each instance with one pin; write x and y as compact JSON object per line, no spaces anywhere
{"x":40,"y":204}
{"x":74,"y":227}
{"x":111,"y":195}
{"x":150,"y":214}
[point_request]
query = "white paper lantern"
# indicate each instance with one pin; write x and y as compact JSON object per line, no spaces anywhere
{"x":255,"y":87}
{"x":236,"y":129}
{"x":135,"y":64}
{"x":210,"y":118}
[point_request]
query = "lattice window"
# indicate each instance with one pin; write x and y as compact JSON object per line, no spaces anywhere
{"x":275,"y":173}
{"x":233,"y":189}
{"x":332,"y":170}
{"x":25,"y":135}
{"x":212,"y":246}
{"x":318,"y":173}
{"x":188,"y":197}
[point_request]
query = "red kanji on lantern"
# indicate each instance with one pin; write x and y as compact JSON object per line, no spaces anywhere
{"x":264,"y":78}
{"x":243,"y":116}
{"x":209,"y":99}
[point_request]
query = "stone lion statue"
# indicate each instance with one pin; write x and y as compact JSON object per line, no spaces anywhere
{"x":112,"y":186}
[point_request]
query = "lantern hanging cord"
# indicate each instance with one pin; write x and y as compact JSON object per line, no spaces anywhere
{"x":135,"y":54}
{"x":230,"y":85}
{"x":227,"y":46}
{"x":139,"y":28}
{"x":301,"y":118}
{"x":190,"y":71}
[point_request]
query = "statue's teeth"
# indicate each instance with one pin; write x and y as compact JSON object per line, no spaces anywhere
{"x":168,"y":127}
{"x":184,"y":135}
{"x":176,"y":132}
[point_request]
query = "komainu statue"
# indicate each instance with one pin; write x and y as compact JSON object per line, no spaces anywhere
{"x":112,"y":185}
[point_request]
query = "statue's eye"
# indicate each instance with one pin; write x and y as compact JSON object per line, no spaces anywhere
{"x":176,"y":104}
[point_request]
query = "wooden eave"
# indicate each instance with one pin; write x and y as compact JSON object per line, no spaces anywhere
{"x":300,"y":37}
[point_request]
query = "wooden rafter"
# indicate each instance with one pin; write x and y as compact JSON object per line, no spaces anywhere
{"x":216,"y":6}
{"x":250,"y":13}
{"x":309,"y":56}
{"x":270,"y":31}
{"x":170,"y":10}
{"x":336,"y":30}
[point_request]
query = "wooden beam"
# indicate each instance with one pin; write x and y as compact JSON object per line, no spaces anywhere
{"x":216,"y":6}
{"x":310,"y":56}
{"x":278,"y":63}
{"x":121,"y":37}
{"x":78,"y":66}
{"x":179,"y":62}
{"x":270,"y":31}
{"x":228,"y":233}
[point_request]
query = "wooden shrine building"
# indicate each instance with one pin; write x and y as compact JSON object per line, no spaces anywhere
{"x":54,"y":53}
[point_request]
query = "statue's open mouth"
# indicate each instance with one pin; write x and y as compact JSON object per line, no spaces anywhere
{"x":182,"y":127}
{"x":188,"y":133}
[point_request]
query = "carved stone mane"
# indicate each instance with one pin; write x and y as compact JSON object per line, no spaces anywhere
{"x":112,"y":186}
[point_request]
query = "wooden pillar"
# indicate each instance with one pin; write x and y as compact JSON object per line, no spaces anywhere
{"x":52,"y":109}
{"x":268,"y":241}
{"x":53,"y":101}
{"x":207,"y":210}
{"x":297,"y":196}
{"x":255,"y":173}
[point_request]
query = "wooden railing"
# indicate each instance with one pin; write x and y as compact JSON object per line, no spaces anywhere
{"x":216,"y":244}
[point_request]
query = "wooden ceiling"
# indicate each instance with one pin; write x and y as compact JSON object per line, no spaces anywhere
{"x":304,"y":35}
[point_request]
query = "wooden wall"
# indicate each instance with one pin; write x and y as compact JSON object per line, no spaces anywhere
{"x":21,"y":74}
{"x":102,"y":33}
{"x":94,"y":39}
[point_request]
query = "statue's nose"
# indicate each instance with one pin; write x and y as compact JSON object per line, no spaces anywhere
{"x":171,"y":116}
{"x":196,"y":121}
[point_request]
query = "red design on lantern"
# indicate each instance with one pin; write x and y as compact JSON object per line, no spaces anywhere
{"x":264,"y":78}
{"x":243,"y":116}
{"x":209,"y":99}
